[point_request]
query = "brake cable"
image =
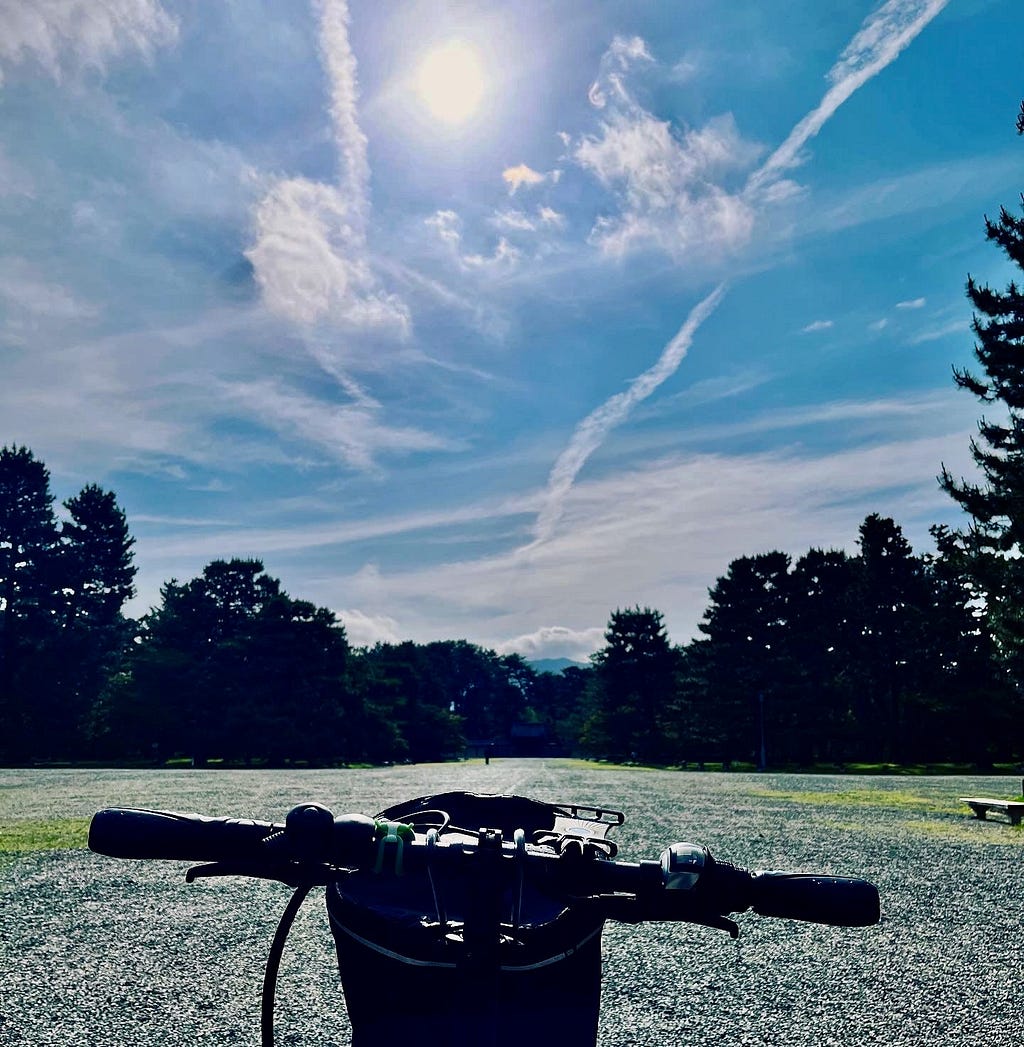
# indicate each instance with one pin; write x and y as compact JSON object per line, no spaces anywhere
{"x":274,"y":964}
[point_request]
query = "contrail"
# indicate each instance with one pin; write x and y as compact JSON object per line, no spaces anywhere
{"x":340,"y":64}
{"x":591,"y":432}
{"x":883,"y":36}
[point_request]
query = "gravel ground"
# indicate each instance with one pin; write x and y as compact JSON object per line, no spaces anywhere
{"x":103,"y":952}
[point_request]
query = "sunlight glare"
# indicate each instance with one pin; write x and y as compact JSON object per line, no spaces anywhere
{"x":451,"y":82}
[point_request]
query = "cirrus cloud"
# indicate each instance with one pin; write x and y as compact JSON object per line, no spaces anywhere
{"x":68,"y":35}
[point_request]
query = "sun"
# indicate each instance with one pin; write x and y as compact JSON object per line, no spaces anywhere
{"x":451,"y":82}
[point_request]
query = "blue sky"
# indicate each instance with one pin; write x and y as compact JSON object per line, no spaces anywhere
{"x":481,"y":320}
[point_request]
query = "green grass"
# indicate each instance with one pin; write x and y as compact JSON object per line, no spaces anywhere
{"x":886,"y":799}
{"x":49,"y":834}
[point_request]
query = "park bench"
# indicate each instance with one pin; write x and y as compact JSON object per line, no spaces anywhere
{"x":981,"y":805}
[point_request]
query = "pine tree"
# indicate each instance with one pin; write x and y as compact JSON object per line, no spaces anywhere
{"x":994,"y":541}
{"x":887,"y":649}
{"x":632,"y":713}
{"x":749,"y":675}
{"x":28,"y":542}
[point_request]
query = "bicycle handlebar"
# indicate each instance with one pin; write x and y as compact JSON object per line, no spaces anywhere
{"x":686,"y":884}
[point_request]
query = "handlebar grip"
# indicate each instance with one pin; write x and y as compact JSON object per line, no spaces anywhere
{"x":122,"y":832}
{"x":834,"y":900}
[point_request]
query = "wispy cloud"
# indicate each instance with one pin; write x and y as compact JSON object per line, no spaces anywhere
{"x":352,"y":432}
{"x":593,"y":430}
{"x":549,"y":216}
{"x":310,"y":256}
{"x":519,"y":221}
{"x":662,"y":534}
{"x":933,"y":334}
{"x":80,"y":34}
{"x":27,"y":292}
{"x":885,"y":33}
{"x":505,"y":255}
{"x":817,"y":325}
{"x":670,"y":187}
{"x":913,"y":303}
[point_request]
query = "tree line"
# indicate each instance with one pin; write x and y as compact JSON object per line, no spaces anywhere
{"x":834,"y":658}
{"x":882,"y":656}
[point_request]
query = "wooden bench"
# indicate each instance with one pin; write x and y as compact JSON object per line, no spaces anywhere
{"x":981,"y":805}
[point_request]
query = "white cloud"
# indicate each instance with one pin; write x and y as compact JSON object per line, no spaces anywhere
{"x":351,"y":432}
{"x":299,"y":536}
{"x":518,"y":221}
{"x":521,"y":175}
{"x":935,"y":333}
{"x":622,"y":53}
{"x":505,"y":255}
{"x":670,"y":185}
{"x":310,"y":263}
{"x":365,"y":630}
{"x":818,"y":325}
{"x":310,"y":255}
{"x":63,"y":35}
{"x":555,"y":641}
{"x":913,"y":303}
{"x":878,"y":325}
{"x":663,"y":533}
{"x":594,"y":429}
{"x":30,"y":298}
{"x":448,"y":226}
{"x":673,"y":187}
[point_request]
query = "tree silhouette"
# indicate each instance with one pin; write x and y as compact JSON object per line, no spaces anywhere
{"x":994,"y":540}
{"x":631,"y":698}
{"x":230,"y":666}
{"x":888,"y":647}
{"x":28,"y":549}
{"x":746,"y":660}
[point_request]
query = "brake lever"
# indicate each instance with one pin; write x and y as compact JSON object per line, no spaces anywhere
{"x":658,"y":909}
{"x":281,"y":872}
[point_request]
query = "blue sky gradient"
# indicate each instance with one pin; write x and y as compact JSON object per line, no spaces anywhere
{"x":685,"y":285}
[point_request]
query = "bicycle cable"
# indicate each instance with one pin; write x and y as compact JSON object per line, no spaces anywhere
{"x":274,"y":964}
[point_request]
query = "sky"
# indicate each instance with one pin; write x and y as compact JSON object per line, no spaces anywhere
{"x":482,"y":320}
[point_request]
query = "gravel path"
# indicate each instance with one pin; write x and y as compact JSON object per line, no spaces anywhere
{"x":102,"y":953}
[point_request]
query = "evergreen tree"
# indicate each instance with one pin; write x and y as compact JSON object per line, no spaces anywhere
{"x":96,"y":579}
{"x":994,"y":540}
{"x":416,"y":688}
{"x":963,"y":712}
{"x":887,"y":663}
{"x":28,"y":586}
{"x":631,"y":702}
{"x":230,"y":666}
{"x":558,"y":698}
{"x":822,"y":623}
{"x":749,"y":675}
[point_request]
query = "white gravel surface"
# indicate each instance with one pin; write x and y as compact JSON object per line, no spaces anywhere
{"x":107,"y":953}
